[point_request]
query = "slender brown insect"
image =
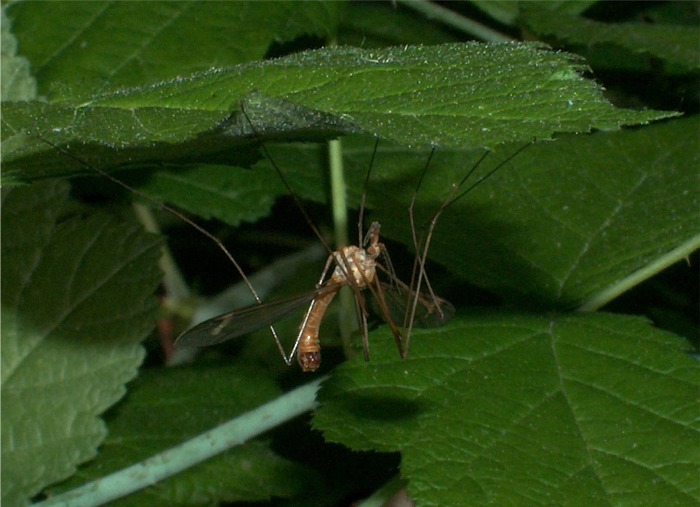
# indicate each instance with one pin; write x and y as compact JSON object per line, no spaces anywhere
{"x":353,"y":266}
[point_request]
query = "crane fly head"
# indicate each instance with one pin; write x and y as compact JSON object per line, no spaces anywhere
{"x":371,"y":240}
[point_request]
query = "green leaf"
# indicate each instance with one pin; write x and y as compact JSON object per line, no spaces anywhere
{"x":17,"y":81}
{"x":496,"y":408}
{"x":571,"y":223}
{"x":224,"y":192}
{"x":77,"y":299}
{"x":81,"y":49}
{"x":452,"y":95}
{"x":190,"y":401}
{"x":674,"y":44}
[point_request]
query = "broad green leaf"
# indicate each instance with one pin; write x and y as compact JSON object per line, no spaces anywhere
{"x":564,"y":224}
{"x":674,"y":44}
{"x":573,"y":222}
{"x":188,"y":401}
{"x":444,"y":95}
{"x":79,"y":49}
{"x":453,"y":95}
{"x":500,"y":408}
{"x":77,"y":299}
{"x":228,"y":193}
{"x":17,"y":81}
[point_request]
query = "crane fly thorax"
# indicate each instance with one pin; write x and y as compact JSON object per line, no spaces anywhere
{"x":355,"y":261}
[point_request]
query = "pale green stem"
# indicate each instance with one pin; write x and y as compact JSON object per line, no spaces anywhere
{"x":175,"y":285}
{"x":434,"y":11}
{"x":338,"y":192}
{"x":605,"y":296}
{"x":340,"y":225}
{"x":202,"y":447}
{"x":385,"y":493}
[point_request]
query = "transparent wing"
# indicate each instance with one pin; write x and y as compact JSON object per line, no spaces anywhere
{"x":430,"y":312}
{"x":245,"y":320}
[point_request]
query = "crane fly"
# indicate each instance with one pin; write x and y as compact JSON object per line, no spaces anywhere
{"x":353,"y":266}
{"x":357,"y":267}
{"x":358,"y":264}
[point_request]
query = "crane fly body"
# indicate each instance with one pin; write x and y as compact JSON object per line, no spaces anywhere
{"x":351,"y":265}
{"x":355,"y":267}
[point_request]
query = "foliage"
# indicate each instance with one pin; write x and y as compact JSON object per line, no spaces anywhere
{"x":532,"y":394}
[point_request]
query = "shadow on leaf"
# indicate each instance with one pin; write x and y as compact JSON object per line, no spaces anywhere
{"x":383,"y":407}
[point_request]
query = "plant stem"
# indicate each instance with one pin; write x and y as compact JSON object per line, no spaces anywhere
{"x":202,"y":447}
{"x":174,"y":282}
{"x":451,"y":18}
{"x":340,"y":224}
{"x":606,"y":295}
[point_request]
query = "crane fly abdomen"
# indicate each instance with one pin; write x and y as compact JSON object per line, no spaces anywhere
{"x":309,"y":348}
{"x":352,"y":262}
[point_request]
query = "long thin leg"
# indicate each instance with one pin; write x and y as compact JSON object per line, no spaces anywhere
{"x":361,"y":313}
{"x":181,"y":216}
{"x":363,"y":200}
{"x":421,"y":246}
{"x":288,"y":360}
{"x":378,"y":293}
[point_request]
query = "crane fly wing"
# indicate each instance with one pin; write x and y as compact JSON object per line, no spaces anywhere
{"x":244,"y":320}
{"x":430,"y":312}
